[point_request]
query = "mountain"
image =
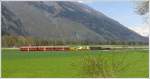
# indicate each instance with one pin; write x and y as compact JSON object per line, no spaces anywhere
{"x":62,"y":20}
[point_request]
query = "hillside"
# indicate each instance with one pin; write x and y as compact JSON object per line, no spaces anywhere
{"x":62,"y":20}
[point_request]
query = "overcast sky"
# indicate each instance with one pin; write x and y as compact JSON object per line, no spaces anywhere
{"x":122,"y":11}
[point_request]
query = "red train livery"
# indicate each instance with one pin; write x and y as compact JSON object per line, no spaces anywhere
{"x":44,"y":48}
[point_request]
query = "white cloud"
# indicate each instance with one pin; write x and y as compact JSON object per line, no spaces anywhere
{"x":141,"y":29}
{"x":91,"y":1}
{"x":85,"y":1}
{"x":80,"y":1}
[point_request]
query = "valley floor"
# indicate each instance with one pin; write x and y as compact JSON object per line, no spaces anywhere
{"x":15,"y":63}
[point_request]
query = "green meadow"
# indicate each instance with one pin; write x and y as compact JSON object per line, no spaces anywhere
{"x":15,"y":63}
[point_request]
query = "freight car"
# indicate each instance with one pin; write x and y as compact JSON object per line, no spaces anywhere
{"x":98,"y":48}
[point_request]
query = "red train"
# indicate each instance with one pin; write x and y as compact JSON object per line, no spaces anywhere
{"x":61,"y":48}
{"x":44,"y":48}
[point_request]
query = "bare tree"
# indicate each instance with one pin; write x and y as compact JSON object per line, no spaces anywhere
{"x":142,"y":7}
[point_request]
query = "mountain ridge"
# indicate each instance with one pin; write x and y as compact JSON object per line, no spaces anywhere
{"x":63,"y":20}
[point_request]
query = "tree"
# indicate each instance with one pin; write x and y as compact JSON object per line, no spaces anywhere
{"x":142,"y":8}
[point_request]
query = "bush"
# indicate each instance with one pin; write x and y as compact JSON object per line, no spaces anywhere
{"x":97,"y":67}
{"x":104,"y":66}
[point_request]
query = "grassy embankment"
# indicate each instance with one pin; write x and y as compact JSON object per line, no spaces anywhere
{"x":70,"y":63}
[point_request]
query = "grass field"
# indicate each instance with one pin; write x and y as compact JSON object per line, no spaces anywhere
{"x":70,"y":63}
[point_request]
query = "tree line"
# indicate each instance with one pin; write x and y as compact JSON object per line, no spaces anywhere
{"x":17,"y":41}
